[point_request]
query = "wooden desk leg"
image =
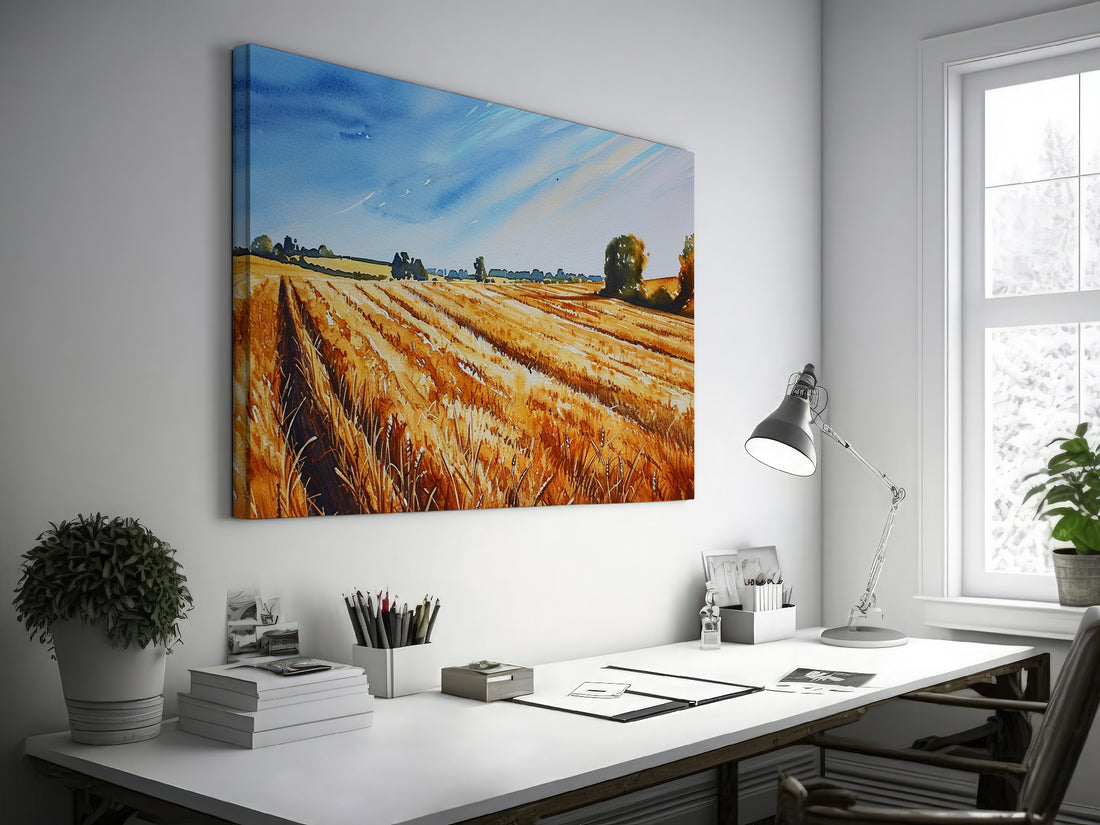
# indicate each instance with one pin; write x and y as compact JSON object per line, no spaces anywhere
{"x":1008,"y":742}
{"x":1038,"y":679}
{"x":89,"y":808}
{"x":727,"y":794}
{"x":103,"y":803}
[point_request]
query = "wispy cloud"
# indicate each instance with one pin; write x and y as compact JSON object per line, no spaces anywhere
{"x":357,"y":203}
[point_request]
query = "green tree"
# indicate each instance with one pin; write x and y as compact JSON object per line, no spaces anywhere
{"x":624,"y":260}
{"x":399,"y":269}
{"x":479,"y":269}
{"x":326,"y":252}
{"x":262,"y":245}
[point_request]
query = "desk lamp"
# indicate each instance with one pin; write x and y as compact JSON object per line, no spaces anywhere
{"x":785,"y":441}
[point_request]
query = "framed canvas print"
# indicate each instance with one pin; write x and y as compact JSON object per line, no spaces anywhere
{"x":442,"y":303}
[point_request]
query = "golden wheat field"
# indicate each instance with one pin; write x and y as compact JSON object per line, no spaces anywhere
{"x":398,"y":396}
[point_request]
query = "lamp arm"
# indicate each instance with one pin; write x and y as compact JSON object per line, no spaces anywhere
{"x":867,"y":601}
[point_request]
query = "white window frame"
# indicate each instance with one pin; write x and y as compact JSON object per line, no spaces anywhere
{"x":944,"y":62}
{"x":980,"y":313}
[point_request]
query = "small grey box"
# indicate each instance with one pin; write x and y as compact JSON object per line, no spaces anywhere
{"x":488,"y":685}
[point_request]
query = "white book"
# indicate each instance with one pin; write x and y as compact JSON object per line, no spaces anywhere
{"x":276,"y":736}
{"x":256,"y":681}
{"x":279,"y":717}
{"x":278,"y":698}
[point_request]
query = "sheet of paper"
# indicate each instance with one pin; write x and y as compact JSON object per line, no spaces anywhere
{"x":600,"y":690}
{"x":811,"y":680}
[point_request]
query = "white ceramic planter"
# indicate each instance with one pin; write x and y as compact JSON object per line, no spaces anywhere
{"x":114,"y":694}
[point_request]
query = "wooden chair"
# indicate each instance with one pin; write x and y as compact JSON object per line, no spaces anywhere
{"x":1046,"y":768}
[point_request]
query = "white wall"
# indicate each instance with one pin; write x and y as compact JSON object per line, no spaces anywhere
{"x":115,"y":314}
{"x":870,"y":272}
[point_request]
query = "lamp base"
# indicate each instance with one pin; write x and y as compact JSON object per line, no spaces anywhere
{"x":863,"y":636}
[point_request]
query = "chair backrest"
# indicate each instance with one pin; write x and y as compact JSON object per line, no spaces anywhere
{"x":1053,"y":753}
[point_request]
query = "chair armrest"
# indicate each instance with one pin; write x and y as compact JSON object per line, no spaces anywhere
{"x":942,"y":760}
{"x":821,"y":803}
{"x":983,"y":702}
{"x":823,"y":815}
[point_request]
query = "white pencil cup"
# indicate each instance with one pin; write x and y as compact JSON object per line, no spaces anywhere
{"x":762,"y":597}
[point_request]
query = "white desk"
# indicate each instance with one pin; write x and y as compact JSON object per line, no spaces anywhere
{"x":432,"y":759}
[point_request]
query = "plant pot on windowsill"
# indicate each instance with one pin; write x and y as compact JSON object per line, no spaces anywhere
{"x":106,"y":596}
{"x":1070,"y":495}
{"x":1078,"y":577}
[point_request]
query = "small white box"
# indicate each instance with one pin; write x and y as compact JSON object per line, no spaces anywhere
{"x":753,"y":627}
{"x":398,"y":671}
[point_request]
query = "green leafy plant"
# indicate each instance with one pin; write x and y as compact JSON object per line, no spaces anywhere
{"x":1071,"y":492}
{"x":111,"y":572}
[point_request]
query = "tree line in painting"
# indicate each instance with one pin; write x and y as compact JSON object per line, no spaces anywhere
{"x":625,"y":260}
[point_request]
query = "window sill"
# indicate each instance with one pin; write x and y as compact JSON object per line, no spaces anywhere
{"x":1008,"y":617}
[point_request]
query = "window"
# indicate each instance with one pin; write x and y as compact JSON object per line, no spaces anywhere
{"x":1030,"y":302}
{"x":1009,"y":304}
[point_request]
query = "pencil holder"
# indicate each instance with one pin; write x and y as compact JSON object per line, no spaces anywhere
{"x":763,"y":597}
{"x":398,"y":671}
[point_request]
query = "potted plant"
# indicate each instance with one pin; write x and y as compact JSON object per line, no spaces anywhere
{"x":1070,"y":494}
{"x":106,"y":595}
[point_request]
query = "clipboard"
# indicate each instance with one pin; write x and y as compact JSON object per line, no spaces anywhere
{"x":651,"y":693}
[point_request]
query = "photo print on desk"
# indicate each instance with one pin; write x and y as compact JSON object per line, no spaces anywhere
{"x":254,"y":626}
{"x":442,"y":303}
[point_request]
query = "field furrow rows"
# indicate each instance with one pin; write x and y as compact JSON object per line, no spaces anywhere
{"x":382,"y":396}
{"x":534,"y":412}
{"x":266,"y":479}
{"x":643,"y":396}
{"x":466,"y":460}
{"x":660,"y":333}
{"x":648,"y":356}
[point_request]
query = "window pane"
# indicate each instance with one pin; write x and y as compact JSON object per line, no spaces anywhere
{"x":1090,"y":232}
{"x":1031,"y":238}
{"x":1090,"y":123}
{"x":1031,"y":396}
{"x":1090,"y":377}
{"x":1031,"y":131}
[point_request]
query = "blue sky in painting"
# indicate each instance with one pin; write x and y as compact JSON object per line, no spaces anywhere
{"x":370,"y":166}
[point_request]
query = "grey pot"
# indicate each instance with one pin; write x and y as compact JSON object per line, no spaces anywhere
{"x":1078,"y":577}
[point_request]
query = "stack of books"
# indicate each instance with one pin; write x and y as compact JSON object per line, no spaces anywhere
{"x":267,"y":702}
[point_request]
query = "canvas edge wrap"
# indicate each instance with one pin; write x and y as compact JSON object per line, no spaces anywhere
{"x":240,"y":282}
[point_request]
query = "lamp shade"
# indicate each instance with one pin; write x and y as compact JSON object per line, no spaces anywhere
{"x":784,"y":440}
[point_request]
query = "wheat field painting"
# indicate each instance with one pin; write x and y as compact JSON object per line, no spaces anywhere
{"x":441,"y":303}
